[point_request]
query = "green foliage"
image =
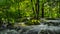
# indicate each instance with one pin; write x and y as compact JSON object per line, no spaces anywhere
{"x":33,"y":22}
{"x":16,"y":10}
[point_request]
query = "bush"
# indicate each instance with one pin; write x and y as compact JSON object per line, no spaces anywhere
{"x":33,"y":22}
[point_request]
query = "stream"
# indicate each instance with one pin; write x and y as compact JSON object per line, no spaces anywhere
{"x":33,"y":29}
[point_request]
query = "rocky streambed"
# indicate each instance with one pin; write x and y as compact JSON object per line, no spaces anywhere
{"x":35,"y":29}
{"x":43,"y":28}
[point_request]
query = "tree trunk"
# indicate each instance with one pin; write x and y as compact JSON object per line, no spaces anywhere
{"x":43,"y":10}
{"x":37,"y":9}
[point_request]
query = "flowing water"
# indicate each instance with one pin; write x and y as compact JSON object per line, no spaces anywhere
{"x":34,"y":29}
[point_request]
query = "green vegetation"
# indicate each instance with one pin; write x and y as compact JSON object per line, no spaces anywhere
{"x":13,"y":11}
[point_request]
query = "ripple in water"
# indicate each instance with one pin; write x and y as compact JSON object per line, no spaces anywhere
{"x":37,"y":29}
